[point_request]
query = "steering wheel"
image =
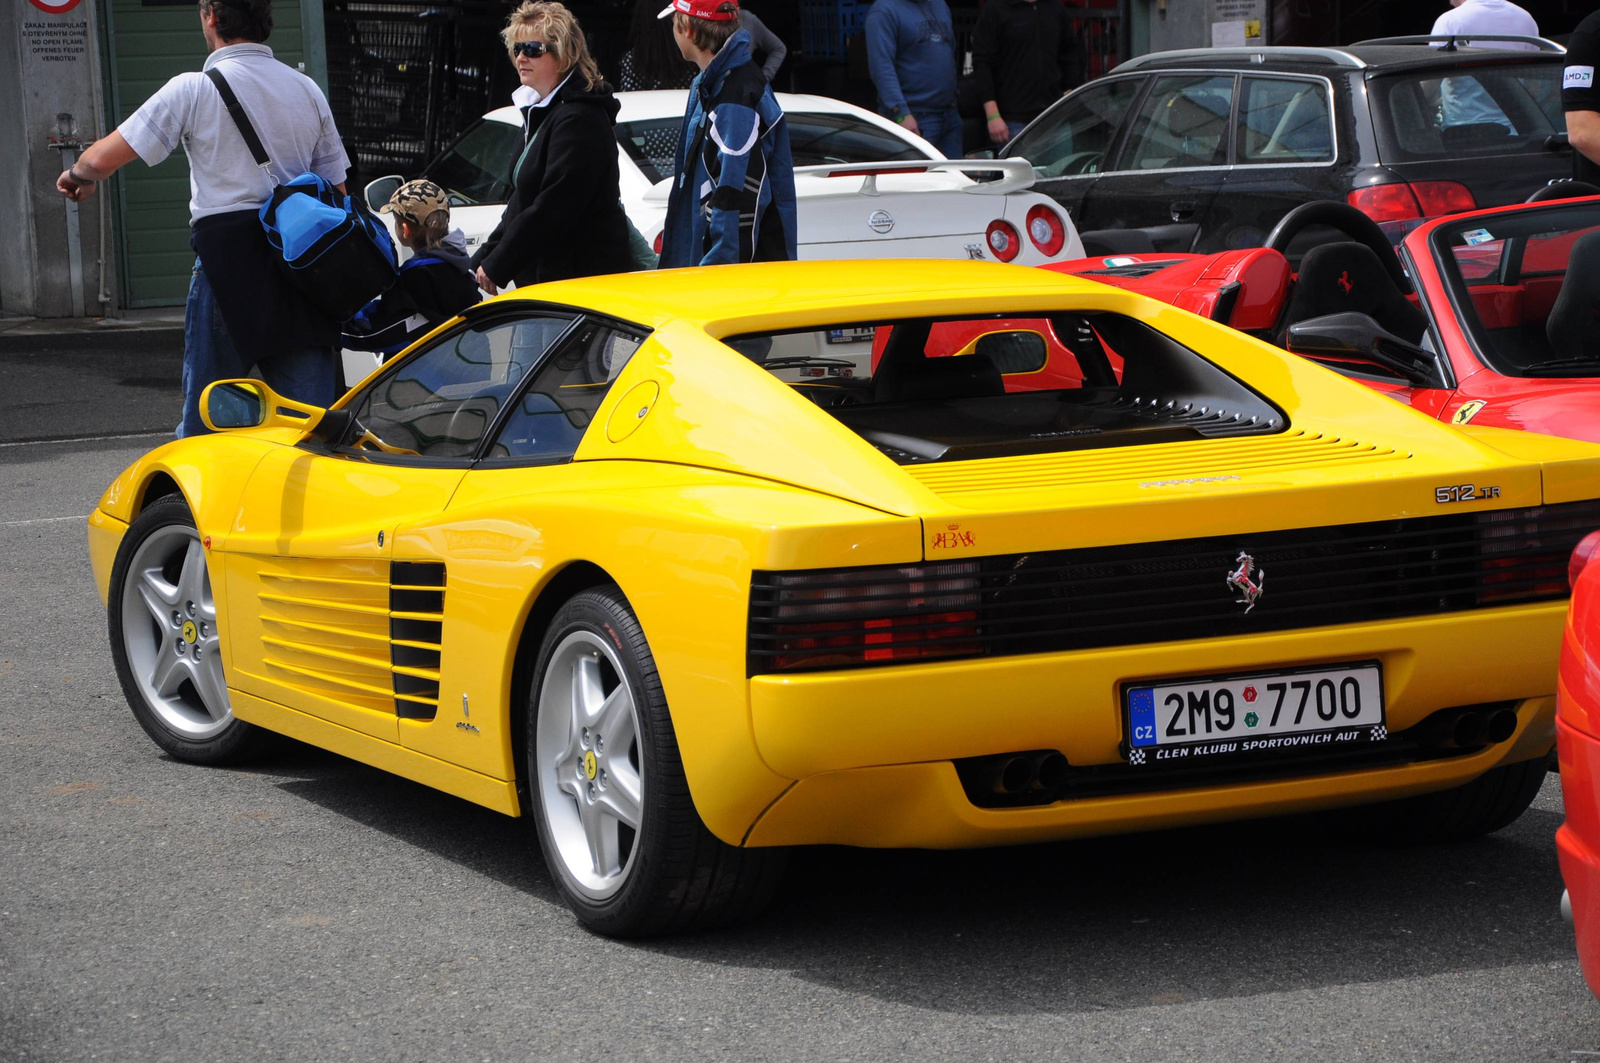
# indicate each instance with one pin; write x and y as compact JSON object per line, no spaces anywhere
{"x":1563,"y":190}
{"x":1349,"y":221}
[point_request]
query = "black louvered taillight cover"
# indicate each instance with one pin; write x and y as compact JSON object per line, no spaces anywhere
{"x":1161,"y":591}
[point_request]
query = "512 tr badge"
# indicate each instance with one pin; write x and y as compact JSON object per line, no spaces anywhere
{"x":1464,"y":493}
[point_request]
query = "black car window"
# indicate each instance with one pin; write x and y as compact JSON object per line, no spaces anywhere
{"x":477,"y":167}
{"x":815,"y":139}
{"x":1182,"y":122}
{"x":1028,"y":381}
{"x":1479,"y":110}
{"x":440,"y":402}
{"x":1284,"y":121}
{"x":1074,"y":136}
{"x":548,"y":420}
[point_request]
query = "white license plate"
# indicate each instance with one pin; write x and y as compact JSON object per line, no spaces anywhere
{"x":1322,"y":708}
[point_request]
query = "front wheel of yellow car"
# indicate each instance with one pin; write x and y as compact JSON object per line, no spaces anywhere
{"x":165,"y":641}
{"x":611,"y":805}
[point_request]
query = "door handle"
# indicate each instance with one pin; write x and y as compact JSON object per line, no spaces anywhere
{"x":1182,"y":209}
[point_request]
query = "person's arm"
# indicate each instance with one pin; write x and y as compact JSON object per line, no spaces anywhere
{"x":1583,"y":133}
{"x":581,"y":153}
{"x":736,"y":134}
{"x":99,"y":161}
{"x":384,"y":324}
{"x":766,"y":42}
{"x":985,"y":55}
{"x":881,"y":47}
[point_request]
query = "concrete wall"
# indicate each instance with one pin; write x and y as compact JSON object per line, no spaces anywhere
{"x":48,"y":97}
{"x":1188,"y":23}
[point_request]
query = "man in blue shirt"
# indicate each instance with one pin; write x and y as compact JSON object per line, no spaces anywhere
{"x":911,"y":51}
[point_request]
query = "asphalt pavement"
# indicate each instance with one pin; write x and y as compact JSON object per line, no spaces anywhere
{"x":307,"y":907}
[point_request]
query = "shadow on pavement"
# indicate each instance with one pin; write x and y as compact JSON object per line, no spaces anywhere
{"x":1201,"y":913}
{"x":75,"y":386}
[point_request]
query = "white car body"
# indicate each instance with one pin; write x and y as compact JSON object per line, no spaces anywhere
{"x":921,"y":207}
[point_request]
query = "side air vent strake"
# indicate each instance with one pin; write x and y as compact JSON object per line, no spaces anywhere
{"x":416,"y":629}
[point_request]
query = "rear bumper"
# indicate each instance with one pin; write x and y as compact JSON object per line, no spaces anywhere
{"x":1578,"y":842}
{"x":872,"y":750}
{"x":924,"y":806}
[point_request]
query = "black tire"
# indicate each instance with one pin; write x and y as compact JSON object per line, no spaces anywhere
{"x":1488,"y":803}
{"x":236,"y":740}
{"x":678,"y":877}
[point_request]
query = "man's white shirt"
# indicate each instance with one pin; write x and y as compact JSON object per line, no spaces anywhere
{"x":1493,"y":17}
{"x":287,"y":109}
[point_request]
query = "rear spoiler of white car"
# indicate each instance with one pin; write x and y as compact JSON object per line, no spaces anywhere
{"x":1016,"y":175}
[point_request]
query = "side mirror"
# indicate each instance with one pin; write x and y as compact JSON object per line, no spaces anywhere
{"x":1011,"y":351}
{"x":1356,"y":342}
{"x":382,"y":190}
{"x":233,"y":404}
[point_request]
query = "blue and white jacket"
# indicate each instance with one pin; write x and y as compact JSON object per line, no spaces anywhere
{"x":733,"y":200}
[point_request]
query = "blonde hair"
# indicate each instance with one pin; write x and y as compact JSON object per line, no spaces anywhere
{"x":558,"y":28}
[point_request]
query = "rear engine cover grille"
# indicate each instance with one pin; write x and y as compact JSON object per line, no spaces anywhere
{"x":1162,"y":591}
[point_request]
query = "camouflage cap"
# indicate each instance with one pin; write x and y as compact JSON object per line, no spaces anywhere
{"x":415,"y":201}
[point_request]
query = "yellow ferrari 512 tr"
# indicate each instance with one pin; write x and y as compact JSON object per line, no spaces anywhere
{"x":694,"y":566}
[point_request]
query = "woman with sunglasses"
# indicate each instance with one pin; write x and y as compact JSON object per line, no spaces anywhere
{"x":564,"y":217}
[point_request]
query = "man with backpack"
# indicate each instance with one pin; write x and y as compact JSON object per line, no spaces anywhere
{"x":242,"y":312}
{"x":734,"y":199}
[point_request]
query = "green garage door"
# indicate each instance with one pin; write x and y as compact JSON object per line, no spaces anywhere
{"x":150,"y":41}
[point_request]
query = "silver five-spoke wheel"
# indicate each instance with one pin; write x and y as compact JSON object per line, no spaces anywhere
{"x":169,"y":632}
{"x":589,"y":764}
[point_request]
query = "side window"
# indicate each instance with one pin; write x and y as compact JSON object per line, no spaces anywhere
{"x":1183,"y":122}
{"x":477,"y":167}
{"x":1284,"y":121}
{"x":440,"y":402}
{"x":1076,"y":135}
{"x":549,"y":420}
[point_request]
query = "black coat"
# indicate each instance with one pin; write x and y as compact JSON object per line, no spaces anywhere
{"x":564,"y":218}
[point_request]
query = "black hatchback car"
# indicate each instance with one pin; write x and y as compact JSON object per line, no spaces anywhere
{"x":1205,"y":150}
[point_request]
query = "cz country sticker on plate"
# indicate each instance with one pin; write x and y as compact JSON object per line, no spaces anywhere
{"x":1180,"y":720}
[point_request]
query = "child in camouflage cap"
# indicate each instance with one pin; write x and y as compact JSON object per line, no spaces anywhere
{"x":435,"y":283}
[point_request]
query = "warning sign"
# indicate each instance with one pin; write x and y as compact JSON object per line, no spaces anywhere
{"x":55,"y":7}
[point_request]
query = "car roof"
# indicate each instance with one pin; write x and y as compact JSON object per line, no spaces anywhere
{"x":1377,"y":56}
{"x":834,"y":291}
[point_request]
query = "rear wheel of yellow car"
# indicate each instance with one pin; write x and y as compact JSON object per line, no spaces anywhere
{"x":1488,"y":803}
{"x":165,"y":641}
{"x":610,"y":802}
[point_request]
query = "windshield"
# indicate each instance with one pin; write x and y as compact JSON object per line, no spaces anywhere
{"x":1484,"y":110}
{"x":477,"y":167}
{"x":814,"y":140}
{"x":1525,"y":287}
{"x":952,"y":389}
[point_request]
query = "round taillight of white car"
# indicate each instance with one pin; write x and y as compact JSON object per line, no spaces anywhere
{"x":1003,"y":239}
{"x":1586,"y":550}
{"x":1046,"y":231}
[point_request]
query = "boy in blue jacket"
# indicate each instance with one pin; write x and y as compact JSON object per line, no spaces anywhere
{"x":733,"y":200}
{"x":435,"y":283}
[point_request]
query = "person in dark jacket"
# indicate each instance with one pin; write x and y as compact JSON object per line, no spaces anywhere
{"x":435,"y":283}
{"x":1021,"y":51}
{"x":564,"y":218}
{"x":652,"y":60}
{"x":733,"y":199}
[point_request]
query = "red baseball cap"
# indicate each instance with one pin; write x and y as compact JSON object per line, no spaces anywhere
{"x":715,"y":10}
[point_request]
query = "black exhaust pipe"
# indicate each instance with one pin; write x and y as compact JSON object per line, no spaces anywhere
{"x":1050,"y":771}
{"x":1501,"y":726}
{"x":1470,"y":730}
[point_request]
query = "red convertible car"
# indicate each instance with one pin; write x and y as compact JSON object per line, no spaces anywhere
{"x":1490,"y":317}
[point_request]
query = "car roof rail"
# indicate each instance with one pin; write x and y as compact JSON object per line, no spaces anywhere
{"x":1449,"y":42}
{"x":1258,"y":54}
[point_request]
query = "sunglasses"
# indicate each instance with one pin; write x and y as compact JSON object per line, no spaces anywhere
{"x":531,"y":49}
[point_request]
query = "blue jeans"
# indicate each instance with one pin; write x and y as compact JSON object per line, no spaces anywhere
{"x":308,"y":375}
{"x":942,"y":129}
